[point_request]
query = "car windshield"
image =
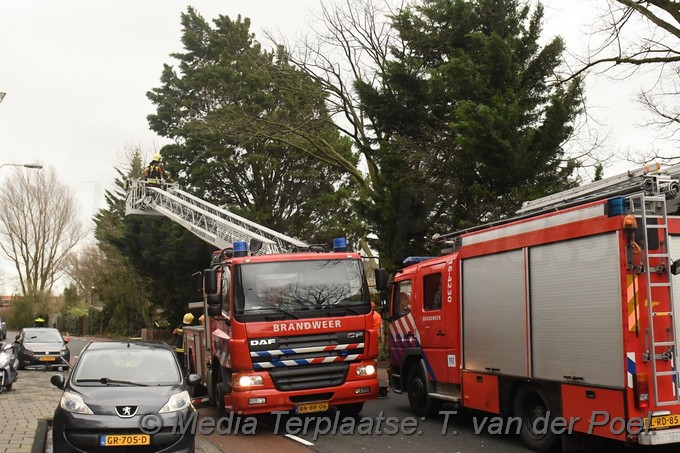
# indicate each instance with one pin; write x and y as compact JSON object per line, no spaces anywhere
{"x":139,"y":366}
{"x":43,"y":336}
{"x":300,"y":285}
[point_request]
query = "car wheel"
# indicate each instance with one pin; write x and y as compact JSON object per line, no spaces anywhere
{"x":418,"y":398}
{"x":532,"y":404}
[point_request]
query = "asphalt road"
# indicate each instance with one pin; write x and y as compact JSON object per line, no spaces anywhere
{"x":384,"y":425}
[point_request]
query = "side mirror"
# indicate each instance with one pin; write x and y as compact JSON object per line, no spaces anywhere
{"x":214,"y":300}
{"x":210,"y":281}
{"x":214,"y":310}
{"x":193,"y":380}
{"x":58,"y":381}
{"x":381,"y":279}
{"x":675,"y":267}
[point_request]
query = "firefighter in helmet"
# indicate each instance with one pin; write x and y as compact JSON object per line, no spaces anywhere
{"x":178,"y":338}
{"x":154,"y":173}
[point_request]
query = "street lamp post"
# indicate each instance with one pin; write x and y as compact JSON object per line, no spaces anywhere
{"x":33,"y":166}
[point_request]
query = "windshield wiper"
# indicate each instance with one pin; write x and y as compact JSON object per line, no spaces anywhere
{"x":107,"y":381}
{"x":281,"y":310}
{"x":353,"y":310}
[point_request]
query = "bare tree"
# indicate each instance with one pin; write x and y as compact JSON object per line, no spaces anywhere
{"x":84,"y":268}
{"x":39,"y":226}
{"x":644,"y":34}
{"x":353,"y":43}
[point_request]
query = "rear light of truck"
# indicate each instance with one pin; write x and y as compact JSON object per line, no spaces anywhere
{"x":641,"y":389}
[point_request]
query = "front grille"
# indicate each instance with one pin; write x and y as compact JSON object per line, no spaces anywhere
{"x":309,"y":377}
{"x":301,"y":362}
{"x":293,"y":351}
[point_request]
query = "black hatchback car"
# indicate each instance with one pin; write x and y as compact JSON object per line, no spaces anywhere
{"x":41,"y":347}
{"x":129,"y":395}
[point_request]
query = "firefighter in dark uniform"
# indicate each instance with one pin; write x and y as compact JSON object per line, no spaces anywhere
{"x":178,"y":338}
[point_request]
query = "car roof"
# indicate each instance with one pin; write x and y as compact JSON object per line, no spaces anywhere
{"x":31,"y":329}
{"x":121,"y":345}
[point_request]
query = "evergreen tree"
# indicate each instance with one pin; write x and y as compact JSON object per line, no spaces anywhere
{"x":148,"y":261}
{"x":217,"y":106}
{"x":470,"y":118}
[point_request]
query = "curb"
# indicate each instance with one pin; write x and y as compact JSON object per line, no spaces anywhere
{"x":40,"y":439}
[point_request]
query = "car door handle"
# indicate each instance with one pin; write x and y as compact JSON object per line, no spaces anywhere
{"x":440,"y":333}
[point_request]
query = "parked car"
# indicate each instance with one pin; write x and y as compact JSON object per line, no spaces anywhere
{"x":113,"y":389}
{"x":3,"y":329}
{"x":42,"y":347}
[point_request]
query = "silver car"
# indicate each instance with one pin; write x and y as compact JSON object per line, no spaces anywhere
{"x":42,"y":347}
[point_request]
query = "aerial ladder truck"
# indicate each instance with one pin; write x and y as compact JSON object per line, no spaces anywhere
{"x":288,"y":327}
{"x":560,"y":320}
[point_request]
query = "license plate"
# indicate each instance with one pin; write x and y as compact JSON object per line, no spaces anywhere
{"x":124,"y":440}
{"x":664,"y":421}
{"x":311,"y":407}
{"x":48,"y":359}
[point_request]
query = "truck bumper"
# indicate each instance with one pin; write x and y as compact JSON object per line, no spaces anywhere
{"x":250,"y":401}
{"x":661,"y":437}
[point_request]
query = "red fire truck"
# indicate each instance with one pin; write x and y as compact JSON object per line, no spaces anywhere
{"x":288,"y":332}
{"x":561,"y":319}
{"x":283,"y":331}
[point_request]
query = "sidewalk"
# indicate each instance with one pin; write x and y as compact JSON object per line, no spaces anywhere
{"x":32,"y":398}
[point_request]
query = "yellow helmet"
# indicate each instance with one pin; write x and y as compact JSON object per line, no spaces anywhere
{"x":202,"y":319}
{"x":157,"y":157}
{"x":188,"y":318}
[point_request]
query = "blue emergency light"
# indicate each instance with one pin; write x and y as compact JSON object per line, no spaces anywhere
{"x":240,"y":248}
{"x":339,"y":245}
{"x":415,"y":259}
{"x":616,"y":206}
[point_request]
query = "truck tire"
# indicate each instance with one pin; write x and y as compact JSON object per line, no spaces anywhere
{"x":219,"y":399}
{"x":530,"y":403}
{"x":416,"y":387}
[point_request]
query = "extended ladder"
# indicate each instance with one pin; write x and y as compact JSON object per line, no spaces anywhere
{"x":213,"y":224}
{"x":661,"y":352}
{"x":649,"y":179}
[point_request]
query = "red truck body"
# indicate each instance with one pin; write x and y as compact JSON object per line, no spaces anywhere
{"x":286,"y":332}
{"x":568,"y":314}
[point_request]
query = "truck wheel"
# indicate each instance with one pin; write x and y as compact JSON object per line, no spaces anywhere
{"x":350,"y":410}
{"x":530,"y":404}
{"x":219,"y":399}
{"x":416,"y":386}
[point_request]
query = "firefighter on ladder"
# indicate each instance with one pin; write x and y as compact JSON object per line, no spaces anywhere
{"x":154,"y":173}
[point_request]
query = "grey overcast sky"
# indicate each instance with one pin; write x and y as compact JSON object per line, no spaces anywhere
{"x":76,"y":74}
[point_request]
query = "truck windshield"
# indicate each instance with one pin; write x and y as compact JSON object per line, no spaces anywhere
{"x":300,"y":288}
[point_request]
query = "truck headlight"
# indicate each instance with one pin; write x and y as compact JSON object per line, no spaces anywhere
{"x":365,"y":370}
{"x":249,"y":381}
